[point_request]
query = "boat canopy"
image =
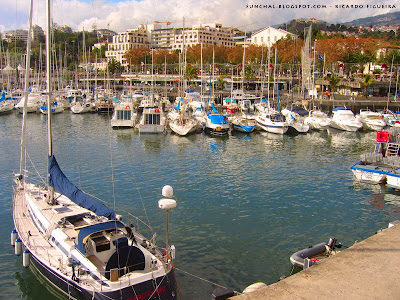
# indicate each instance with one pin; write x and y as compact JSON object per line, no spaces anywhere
{"x":63,"y":186}
{"x":298,"y":109}
{"x":88,"y":230}
{"x":339,"y":108}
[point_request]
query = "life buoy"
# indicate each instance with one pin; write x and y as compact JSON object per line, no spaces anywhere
{"x":127,"y":107}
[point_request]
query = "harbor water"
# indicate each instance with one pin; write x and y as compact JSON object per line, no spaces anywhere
{"x":245,"y":202}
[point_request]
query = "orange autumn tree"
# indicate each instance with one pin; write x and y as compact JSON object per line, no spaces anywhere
{"x":335,"y":49}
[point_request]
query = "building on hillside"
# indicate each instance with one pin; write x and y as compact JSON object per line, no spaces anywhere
{"x":15,"y":35}
{"x":105,"y":34}
{"x":124,"y":41}
{"x":207,"y":34}
{"x":268,"y":36}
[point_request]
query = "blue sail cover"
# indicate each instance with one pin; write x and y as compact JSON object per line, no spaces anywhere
{"x":63,"y":186}
{"x":214,"y":109}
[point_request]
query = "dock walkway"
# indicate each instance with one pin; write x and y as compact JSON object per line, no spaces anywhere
{"x":367,"y":270}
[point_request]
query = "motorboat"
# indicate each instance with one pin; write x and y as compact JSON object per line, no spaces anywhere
{"x":375,"y":167}
{"x":295,"y":117}
{"x":153,"y":120}
{"x":391,"y":119}
{"x":344,"y":119}
{"x":124,"y":115}
{"x":317,"y":120}
{"x":371,"y":120}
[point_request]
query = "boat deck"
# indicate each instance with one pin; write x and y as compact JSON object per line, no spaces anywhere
{"x":367,"y":270}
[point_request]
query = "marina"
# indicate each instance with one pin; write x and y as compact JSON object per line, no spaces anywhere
{"x":251,"y":200}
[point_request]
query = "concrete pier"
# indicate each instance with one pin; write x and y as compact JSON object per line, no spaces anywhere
{"x":367,"y":270}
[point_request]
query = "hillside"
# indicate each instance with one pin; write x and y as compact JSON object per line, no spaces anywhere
{"x":390,"y":19}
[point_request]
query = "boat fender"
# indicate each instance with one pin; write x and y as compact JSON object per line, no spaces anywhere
{"x":14,"y":236}
{"x":332,"y":243}
{"x":26,"y":259}
{"x":221,"y":293}
{"x":253,"y":287}
{"x":18,"y":247}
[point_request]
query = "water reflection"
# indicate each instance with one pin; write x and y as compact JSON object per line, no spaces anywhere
{"x":343,"y":139}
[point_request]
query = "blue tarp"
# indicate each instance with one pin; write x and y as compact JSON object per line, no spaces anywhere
{"x":218,"y":119}
{"x":88,"y":230}
{"x":63,"y":186}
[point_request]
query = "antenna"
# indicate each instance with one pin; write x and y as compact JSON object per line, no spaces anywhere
{"x":167,"y":204}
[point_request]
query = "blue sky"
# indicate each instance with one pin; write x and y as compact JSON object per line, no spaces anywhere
{"x":127,"y":14}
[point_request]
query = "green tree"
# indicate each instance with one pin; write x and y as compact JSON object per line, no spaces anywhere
{"x":191,"y":73}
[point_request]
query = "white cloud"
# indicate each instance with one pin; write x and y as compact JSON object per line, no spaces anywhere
{"x":122,"y":15}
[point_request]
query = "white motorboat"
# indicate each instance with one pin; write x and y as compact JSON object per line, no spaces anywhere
{"x":373,"y":167}
{"x":317,"y":120}
{"x":295,"y":117}
{"x":33,"y":103}
{"x":153,"y":120}
{"x":391,"y":119}
{"x":371,"y":120}
{"x":124,"y":115}
{"x":272,"y":121}
{"x":344,"y":119}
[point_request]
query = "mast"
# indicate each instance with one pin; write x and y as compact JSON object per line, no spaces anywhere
{"x":27,"y":75}
{"x":48,"y":77}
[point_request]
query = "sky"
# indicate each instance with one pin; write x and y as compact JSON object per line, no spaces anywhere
{"x":120,"y":15}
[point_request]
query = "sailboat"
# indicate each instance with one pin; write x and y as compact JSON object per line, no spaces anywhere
{"x":75,"y":242}
{"x":5,"y":105}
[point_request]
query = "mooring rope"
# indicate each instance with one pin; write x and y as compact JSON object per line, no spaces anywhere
{"x":205,"y":280}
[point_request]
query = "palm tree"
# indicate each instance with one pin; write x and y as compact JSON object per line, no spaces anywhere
{"x":368,"y":80}
{"x":191,"y":73}
{"x":333,"y":82}
{"x":221,"y":82}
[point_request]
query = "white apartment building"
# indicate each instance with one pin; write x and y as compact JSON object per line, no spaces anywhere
{"x":124,"y":41}
{"x":15,"y":35}
{"x":268,"y":36}
{"x":207,"y":34}
{"x":168,"y":38}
